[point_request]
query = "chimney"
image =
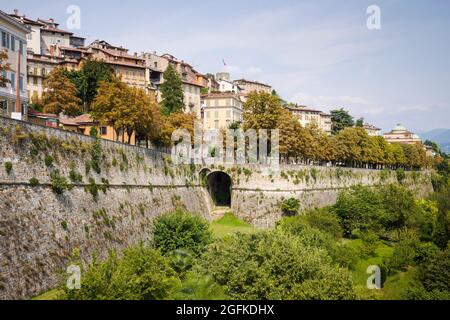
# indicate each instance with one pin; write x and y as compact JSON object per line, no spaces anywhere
{"x":16,"y":12}
{"x":51,"y":20}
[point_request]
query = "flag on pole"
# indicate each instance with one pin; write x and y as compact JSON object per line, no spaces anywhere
{"x":224,"y":63}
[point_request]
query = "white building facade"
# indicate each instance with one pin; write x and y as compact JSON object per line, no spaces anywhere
{"x":13,"y":41}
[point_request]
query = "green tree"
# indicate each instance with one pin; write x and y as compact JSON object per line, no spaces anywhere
{"x":88,"y":78}
{"x":359,"y":123}
{"x":435,"y":275}
{"x":290,"y":206}
{"x":141,"y":274}
{"x":340,"y":119}
{"x":274,"y":265}
{"x":171,"y":92}
{"x":180,"y":230}
{"x":441,"y":232}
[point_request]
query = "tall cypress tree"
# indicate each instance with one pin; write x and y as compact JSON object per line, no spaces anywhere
{"x":172,"y":92}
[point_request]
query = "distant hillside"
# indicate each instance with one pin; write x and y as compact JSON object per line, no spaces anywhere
{"x":440,"y":136}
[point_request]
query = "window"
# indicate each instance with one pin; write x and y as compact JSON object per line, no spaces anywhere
{"x":4,"y":39}
{"x":216,"y":114}
{"x":207,"y":114}
{"x":21,"y":47}
{"x":13,"y":43}
{"x":35,"y":81}
{"x":13,"y":80}
{"x":30,"y":36}
{"x":21,"y":83}
{"x":228,"y":114}
{"x":103,"y":131}
{"x":216,"y":124}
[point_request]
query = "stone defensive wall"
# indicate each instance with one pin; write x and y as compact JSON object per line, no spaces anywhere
{"x":64,"y":196}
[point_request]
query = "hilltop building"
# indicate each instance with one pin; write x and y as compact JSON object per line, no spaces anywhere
{"x":309,"y":116}
{"x":130,"y":68}
{"x":48,"y":47}
{"x":399,"y":134}
{"x":83,"y":124}
{"x":14,"y":97}
{"x":221,"y":109}
{"x":46,"y":34}
{"x":371,"y":129}
{"x":248,"y":86}
{"x":193,"y":81}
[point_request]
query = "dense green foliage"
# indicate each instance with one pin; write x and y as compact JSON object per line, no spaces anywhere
{"x":141,"y":274}
{"x":58,"y":182}
{"x":8,"y":167}
{"x":340,"y":119}
{"x":383,"y":210}
{"x":87,"y":80}
{"x":274,"y":265}
{"x":290,"y":206}
{"x":180,"y":230}
{"x":171,"y":92}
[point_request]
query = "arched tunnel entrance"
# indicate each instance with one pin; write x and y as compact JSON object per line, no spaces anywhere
{"x":219,"y":186}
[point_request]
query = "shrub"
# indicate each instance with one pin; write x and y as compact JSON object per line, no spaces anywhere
{"x":48,"y":160}
{"x":8,"y":167}
{"x":34,"y":182}
{"x":198,"y":287}
{"x":290,"y":206}
{"x":441,"y":232}
{"x":435,"y":275}
{"x":400,"y":175}
{"x":359,"y":208}
{"x":405,"y":251}
{"x":274,"y":265}
{"x":180,"y":230}
{"x":324,"y":220}
{"x":75,"y":176}
{"x":369,"y":243}
{"x":142,"y":274}
{"x":96,"y":156}
{"x":92,"y":188}
{"x":58,"y":182}
{"x":347,"y":256}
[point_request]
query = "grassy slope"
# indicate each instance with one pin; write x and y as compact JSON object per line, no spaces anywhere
{"x":394,"y":286}
{"x":229,"y":224}
{"x":49,"y":295}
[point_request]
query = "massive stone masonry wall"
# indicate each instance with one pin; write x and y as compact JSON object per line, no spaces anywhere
{"x":258,"y":192}
{"x":40,"y":229}
{"x":112,"y":209}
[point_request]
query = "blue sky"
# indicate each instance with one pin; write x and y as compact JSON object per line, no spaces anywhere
{"x":318,"y":52}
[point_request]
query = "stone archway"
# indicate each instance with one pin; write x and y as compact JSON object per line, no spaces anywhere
{"x":219,"y":185}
